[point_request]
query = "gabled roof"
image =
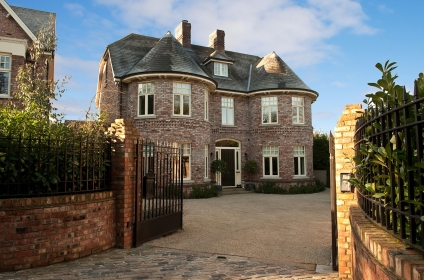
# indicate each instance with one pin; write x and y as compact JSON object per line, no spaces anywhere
{"x":33,"y":19}
{"x":138,"y":54}
{"x":216,"y":55}
{"x":28,"y":19}
{"x":168,"y":55}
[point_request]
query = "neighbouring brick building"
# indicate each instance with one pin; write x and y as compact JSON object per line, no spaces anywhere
{"x":213,"y":103}
{"x":19,"y":28}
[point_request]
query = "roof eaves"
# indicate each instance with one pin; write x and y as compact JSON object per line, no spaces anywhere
{"x":18,"y":20}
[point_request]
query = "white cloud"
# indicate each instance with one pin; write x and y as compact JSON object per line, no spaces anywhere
{"x":384,"y":9}
{"x":296,"y":32}
{"x":339,"y":84}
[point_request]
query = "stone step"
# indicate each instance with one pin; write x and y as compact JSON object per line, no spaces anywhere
{"x":234,"y":190}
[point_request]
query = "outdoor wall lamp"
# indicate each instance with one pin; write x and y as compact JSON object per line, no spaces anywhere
{"x":344,"y":182}
{"x":246,"y":156}
{"x":211,"y":155}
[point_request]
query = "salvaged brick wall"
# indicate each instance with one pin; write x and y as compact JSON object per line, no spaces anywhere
{"x":46,"y":230}
{"x":344,"y":144}
{"x":364,"y":250}
{"x":123,"y":173}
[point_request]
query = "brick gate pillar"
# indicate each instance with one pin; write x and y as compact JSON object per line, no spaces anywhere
{"x":344,"y":152}
{"x":123,"y":174}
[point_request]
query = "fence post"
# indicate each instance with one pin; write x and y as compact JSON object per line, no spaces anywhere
{"x":344,"y":152}
{"x":123,"y":173}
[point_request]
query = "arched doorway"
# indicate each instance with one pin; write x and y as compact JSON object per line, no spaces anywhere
{"x":228,"y":150}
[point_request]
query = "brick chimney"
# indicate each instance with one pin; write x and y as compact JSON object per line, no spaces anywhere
{"x":183,"y":34}
{"x":217,"y":40}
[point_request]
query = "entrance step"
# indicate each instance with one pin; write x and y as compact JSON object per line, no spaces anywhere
{"x":234,"y":190}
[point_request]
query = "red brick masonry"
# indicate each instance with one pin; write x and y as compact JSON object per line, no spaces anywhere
{"x":377,"y":255}
{"x":46,"y":230}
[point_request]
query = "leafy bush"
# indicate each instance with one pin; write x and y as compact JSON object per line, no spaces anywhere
{"x":273,"y":188}
{"x":251,"y":167}
{"x":203,"y":192}
{"x":321,"y":153}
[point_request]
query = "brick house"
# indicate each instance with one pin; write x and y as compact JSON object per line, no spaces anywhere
{"x":213,"y":103}
{"x":18,"y":30}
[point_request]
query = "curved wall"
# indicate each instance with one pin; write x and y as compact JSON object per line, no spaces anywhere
{"x":45,"y":230}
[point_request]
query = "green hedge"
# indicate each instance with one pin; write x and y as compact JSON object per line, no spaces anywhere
{"x":273,"y":188}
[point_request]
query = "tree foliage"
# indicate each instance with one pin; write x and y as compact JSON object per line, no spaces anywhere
{"x":321,"y":151}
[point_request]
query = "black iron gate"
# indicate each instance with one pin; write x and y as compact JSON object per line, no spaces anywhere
{"x":334,"y":231}
{"x":159,"y":191}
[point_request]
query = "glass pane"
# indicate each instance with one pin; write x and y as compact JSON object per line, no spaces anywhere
{"x":177,"y":109}
{"x":224,"y":115}
{"x":294,"y":118}
{"x":150,"y":104}
{"x":186,"y":167}
{"x":273,"y":114}
{"x":302,"y":166}
{"x":237,"y":161}
{"x":186,"y":107}
{"x":265,"y":115}
{"x":230,"y":116}
{"x":296,"y":166}
{"x":141,"y":105}
{"x":4,"y":82}
{"x":274,"y":166}
{"x":266,"y":166}
{"x":300,"y":114}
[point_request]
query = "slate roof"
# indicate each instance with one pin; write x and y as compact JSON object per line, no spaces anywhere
{"x":168,"y":55}
{"x":33,"y":19}
{"x":137,"y":54}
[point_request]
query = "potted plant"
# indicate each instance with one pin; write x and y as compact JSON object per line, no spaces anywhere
{"x":251,"y":167}
{"x":218,"y":166}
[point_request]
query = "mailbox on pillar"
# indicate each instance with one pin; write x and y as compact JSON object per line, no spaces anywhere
{"x":344,"y":182}
{"x":149,"y":185}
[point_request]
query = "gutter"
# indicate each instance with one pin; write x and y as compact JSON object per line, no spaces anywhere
{"x":250,"y":75}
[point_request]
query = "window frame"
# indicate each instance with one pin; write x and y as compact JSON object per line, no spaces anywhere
{"x":206,"y":161}
{"x":264,"y":99}
{"x":269,"y":155}
{"x":206,"y":105}
{"x":184,"y":146}
{"x":220,"y":69}
{"x":8,"y":72}
{"x":181,"y":99}
{"x":227,"y":109}
{"x":296,"y":112}
{"x":299,"y":154}
{"x":150,"y":91}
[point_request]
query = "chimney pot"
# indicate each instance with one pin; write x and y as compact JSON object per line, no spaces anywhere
{"x":217,"y":40}
{"x":183,"y":34}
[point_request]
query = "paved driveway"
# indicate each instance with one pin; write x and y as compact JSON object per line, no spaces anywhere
{"x":295,"y":228}
{"x":247,"y":236}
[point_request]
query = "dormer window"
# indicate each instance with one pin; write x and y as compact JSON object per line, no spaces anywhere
{"x":220,"y":69}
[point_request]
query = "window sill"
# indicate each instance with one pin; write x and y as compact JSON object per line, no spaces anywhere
{"x":228,"y":125}
{"x":299,"y":124}
{"x":180,"y":117}
{"x":206,"y":180}
{"x":221,"y":77}
{"x":300,"y":177}
{"x":145,"y":117}
{"x":4,"y":96}
{"x":269,"y":124}
{"x":270,"y":177}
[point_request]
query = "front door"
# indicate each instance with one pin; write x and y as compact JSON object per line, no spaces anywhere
{"x":228,"y":177}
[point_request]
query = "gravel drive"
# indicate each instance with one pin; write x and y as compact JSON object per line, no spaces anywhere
{"x":295,"y":228}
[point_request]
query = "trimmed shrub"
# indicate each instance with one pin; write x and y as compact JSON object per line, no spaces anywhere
{"x":273,"y":188}
{"x":203,"y":192}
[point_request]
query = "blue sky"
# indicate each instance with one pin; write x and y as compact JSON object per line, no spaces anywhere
{"x":332,"y":45}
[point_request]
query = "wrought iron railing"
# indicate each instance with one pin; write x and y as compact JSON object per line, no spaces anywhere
{"x":43,"y":166}
{"x":390,"y":165}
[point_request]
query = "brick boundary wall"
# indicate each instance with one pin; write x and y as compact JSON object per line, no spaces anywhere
{"x":364,"y":250}
{"x":45,"y":230}
{"x":344,"y":144}
{"x":123,"y":173}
